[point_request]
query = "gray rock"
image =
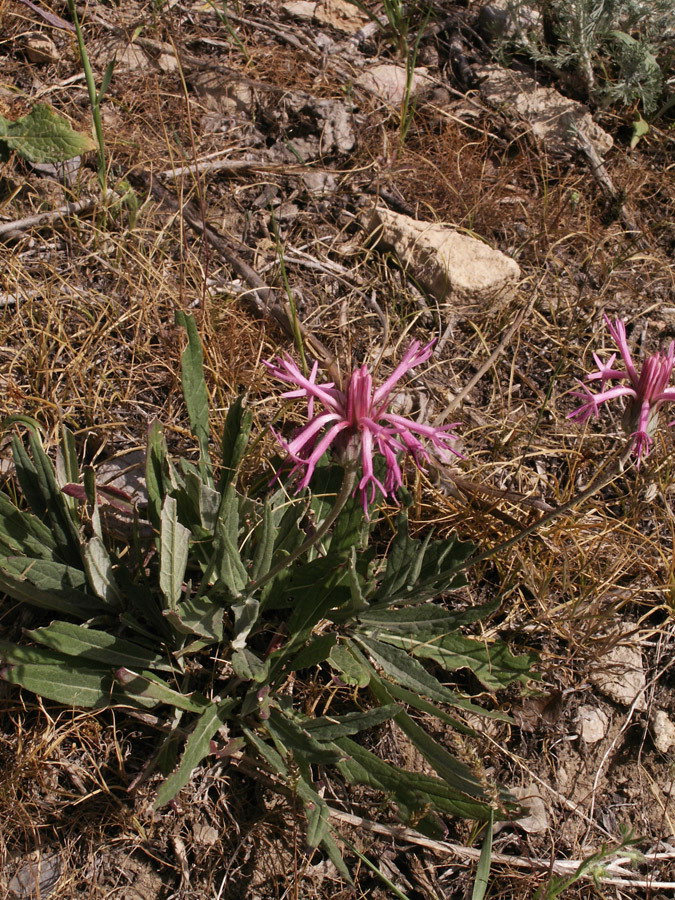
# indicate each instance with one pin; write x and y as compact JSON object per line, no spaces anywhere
{"x":552,"y":118}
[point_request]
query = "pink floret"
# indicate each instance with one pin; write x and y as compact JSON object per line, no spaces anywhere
{"x":646,"y":390}
{"x":357,"y":425}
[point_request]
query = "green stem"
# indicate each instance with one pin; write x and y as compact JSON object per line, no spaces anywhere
{"x":93,"y":98}
{"x":341,"y":498}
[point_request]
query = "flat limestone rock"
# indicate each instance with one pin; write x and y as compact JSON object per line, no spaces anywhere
{"x":620,"y":674}
{"x":339,"y":14}
{"x":552,"y":118}
{"x":451,"y":266}
{"x":388,"y":82}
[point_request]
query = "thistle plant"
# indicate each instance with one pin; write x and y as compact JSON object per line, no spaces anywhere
{"x":205,"y":614}
{"x":645,"y":393}
{"x":614,"y":50}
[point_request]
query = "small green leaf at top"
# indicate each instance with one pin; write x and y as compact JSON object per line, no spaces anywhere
{"x":43,"y":136}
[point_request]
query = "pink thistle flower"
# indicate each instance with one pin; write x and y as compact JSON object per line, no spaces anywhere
{"x":646,"y":390}
{"x":357,"y":424}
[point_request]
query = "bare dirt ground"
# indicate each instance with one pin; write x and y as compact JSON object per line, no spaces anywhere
{"x":240,"y":147}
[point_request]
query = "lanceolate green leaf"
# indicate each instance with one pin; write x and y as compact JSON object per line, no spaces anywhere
{"x":405,"y":670}
{"x":493,"y":664}
{"x":173,"y":554}
{"x":157,"y":477}
{"x":298,"y":741}
{"x":48,"y":584}
{"x":194,"y":391}
{"x":23,"y":534}
{"x":198,"y":746}
{"x":413,"y":792}
{"x":100,"y":571}
{"x":150,"y":687}
{"x":63,"y":683}
{"x":235,"y":440}
{"x":39,"y":486}
{"x":329,"y":728}
{"x":427,"y":618}
{"x":451,"y":770}
{"x":98,"y":646}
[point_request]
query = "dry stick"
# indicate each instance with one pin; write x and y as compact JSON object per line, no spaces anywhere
{"x":70,"y":209}
{"x":599,"y":482}
{"x":499,"y":349}
{"x":559,"y":867}
{"x":262,"y":296}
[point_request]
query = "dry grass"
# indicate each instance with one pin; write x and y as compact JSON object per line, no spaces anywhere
{"x":88,"y":339}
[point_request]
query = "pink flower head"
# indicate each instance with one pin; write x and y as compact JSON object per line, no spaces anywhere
{"x":646,"y":390}
{"x":357,"y":424}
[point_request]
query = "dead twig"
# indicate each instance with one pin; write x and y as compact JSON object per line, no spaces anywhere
{"x":13,"y":229}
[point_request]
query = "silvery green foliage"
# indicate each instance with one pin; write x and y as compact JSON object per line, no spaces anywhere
{"x":614,"y":49}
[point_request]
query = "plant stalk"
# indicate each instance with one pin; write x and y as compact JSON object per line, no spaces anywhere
{"x":341,"y":498}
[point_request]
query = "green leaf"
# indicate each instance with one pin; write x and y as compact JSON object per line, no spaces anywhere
{"x":420,"y":570}
{"x":23,"y":534}
{"x":426,"y":617}
{"x":425,"y":706}
{"x":405,"y":670}
{"x":47,"y":584}
{"x":329,"y":728}
{"x":249,"y":666}
{"x":481,"y":883}
{"x":271,"y":756}
{"x":413,"y":792}
{"x":157,"y":473}
{"x":98,"y":646}
{"x":198,"y":746}
{"x":235,"y":440}
{"x":316,"y":651}
{"x":46,"y":499}
{"x":149,"y":687}
{"x":298,"y":741}
{"x":350,"y":667}
{"x":195,"y":393}
{"x":493,"y":664}
{"x":456,"y":775}
{"x":100,"y":571}
{"x":173,"y":553}
{"x":68,"y":684}
{"x":640,"y":129}
{"x":201,"y":616}
{"x":43,"y":136}
{"x":265,"y":535}
{"x":229,"y":569}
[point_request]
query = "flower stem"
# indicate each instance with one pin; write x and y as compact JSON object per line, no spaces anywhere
{"x":599,"y":482}
{"x":341,"y":498}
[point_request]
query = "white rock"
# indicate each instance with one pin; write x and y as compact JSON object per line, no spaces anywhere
{"x":620,"y":675}
{"x":552,"y":118}
{"x":339,"y":14}
{"x":451,"y":266}
{"x":299,"y":9}
{"x":537,"y":820}
{"x":593,"y":723}
{"x":388,"y":82}
{"x":663,"y":730}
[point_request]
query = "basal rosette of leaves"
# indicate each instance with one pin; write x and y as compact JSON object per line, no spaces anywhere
{"x":198,"y":619}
